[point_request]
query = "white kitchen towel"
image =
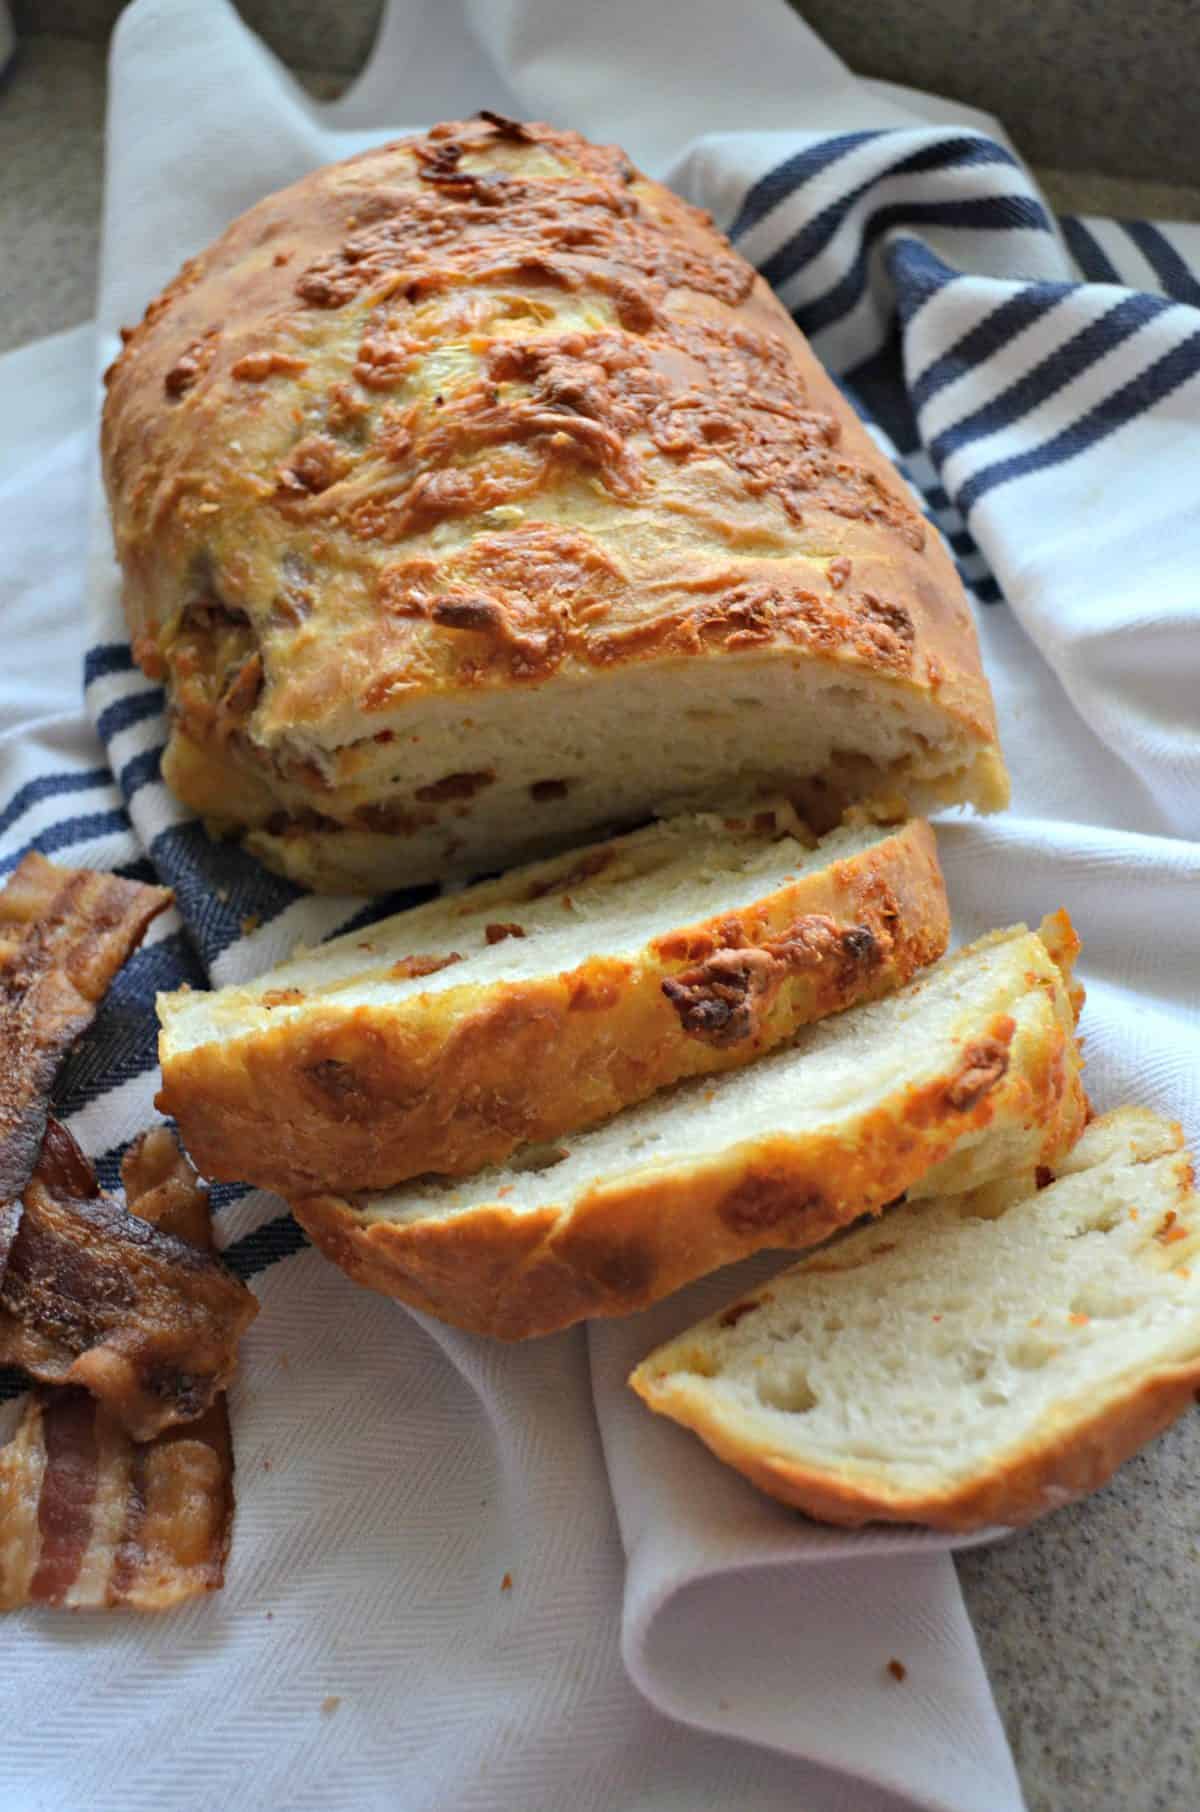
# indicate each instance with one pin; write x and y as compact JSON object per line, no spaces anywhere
{"x":393,"y":1472}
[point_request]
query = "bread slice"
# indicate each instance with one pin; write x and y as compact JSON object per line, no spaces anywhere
{"x":969,"y":1072}
{"x":972,"y":1361}
{"x":527,"y":1007}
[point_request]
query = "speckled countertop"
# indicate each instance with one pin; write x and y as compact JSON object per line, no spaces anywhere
{"x":51,"y":174}
{"x":1089,"y":1622}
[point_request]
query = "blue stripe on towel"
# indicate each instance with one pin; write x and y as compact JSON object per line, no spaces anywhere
{"x":51,"y":786}
{"x":1104,"y":418}
{"x":1177,"y":280}
{"x":1051,"y":374}
{"x":133,"y":708}
{"x":996,"y":331}
{"x":788,"y":178}
{"x":106,"y":658}
{"x":1087,"y":251}
{"x":58,"y":838}
{"x":1004,"y":213}
{"x":269,"y":1243}
{"x":812,"y":238}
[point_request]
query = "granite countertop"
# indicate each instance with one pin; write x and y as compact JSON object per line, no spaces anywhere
{"x":51,"y":176}
{"x":1087,"y":1622}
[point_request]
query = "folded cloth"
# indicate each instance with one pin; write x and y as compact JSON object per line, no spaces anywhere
{"x":471,"y":1576}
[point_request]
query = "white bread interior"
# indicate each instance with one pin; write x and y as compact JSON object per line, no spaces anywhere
{"x":664,"y":876}
{"x":839,"y":1072}
{"x":981,"y":1347}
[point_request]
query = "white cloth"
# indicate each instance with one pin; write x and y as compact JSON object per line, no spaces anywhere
{"x":669,"y":1639}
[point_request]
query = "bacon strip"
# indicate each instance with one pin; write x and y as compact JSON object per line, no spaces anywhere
{"x":10,"y":1220}
{"x":94,"y":1295}
{"x":89,"y":1518}
{"x":64,"y":933}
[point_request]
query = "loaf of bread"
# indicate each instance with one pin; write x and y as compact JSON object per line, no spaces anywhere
{"x":524,"y":1008}
{"x":473,"y":497}
{"x":968,"y":1073}
{"x":967,"y":1362}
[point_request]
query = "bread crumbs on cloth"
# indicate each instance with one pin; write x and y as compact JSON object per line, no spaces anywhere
{"x":330,"y":1705}
{"x":506,"y":1583}
{"x":897,"y":1669}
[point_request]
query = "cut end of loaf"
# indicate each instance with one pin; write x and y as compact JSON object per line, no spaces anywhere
{"x":821,"y":734}
{"x":969,"y":1362}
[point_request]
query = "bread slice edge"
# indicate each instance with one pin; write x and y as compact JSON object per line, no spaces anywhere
{"x":635,"y":1237}
{"x":453,"y":1080}
{"x":1075,"y":1448}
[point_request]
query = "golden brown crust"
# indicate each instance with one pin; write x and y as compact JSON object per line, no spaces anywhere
{"x":469,"y":413}
{"x":630,"y":1241}
{"x":1076,"y":1444}
{"x":1072,"y":1455}
{"x":362,"y":1098}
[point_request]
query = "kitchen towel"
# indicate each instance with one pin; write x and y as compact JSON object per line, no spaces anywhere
{"x":667,"y":1638}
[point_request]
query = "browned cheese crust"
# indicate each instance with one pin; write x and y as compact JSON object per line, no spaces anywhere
{"x":465,"y":415}
{"x":634,"y":1239}
{"x":362,"y":1098}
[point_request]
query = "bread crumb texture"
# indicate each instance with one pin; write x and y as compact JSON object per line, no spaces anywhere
{"x":969,"y":1361}
{"x":853,"y":1112}
{"x":489,"y":1020}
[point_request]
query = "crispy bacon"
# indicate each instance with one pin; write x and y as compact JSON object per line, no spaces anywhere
{"x":92,"y":1294}
{"x":64,"y":933}
{"x":89,"y":1518}
{"x":10,"y":1220}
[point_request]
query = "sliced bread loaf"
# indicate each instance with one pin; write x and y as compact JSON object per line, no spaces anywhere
{"x":972,"y":1361}
{"x":527,"y":1007}
{"x":507,"y":503}
{"x":969,"y":1072}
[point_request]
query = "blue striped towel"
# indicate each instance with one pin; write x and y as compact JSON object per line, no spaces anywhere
{"x":1038,"y":382}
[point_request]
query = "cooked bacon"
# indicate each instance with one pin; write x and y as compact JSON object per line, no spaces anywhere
{"x":161,"y":1187}
{"x":89,"y":1518}
{"x":92,"y":1294}
{"x":64,"y":933}
{"x":10,"y":1220}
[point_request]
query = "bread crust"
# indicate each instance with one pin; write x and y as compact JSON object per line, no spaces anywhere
{"x":1075,"y":1449}
{"x":388,"y":454}
{"x":348,"y":1099}
{"x":635,"y":1238}
{"x":1074,"y":1453}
